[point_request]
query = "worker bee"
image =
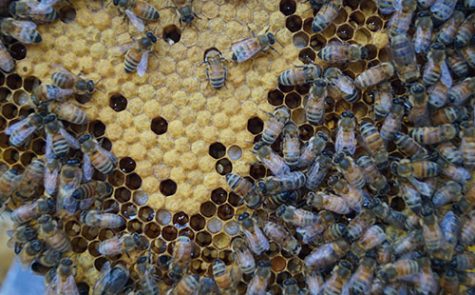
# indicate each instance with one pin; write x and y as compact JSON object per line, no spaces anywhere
{"x":260,"y":280}
{"x":243,"y":256}
{"x":68,"y":112}
{"x":93,"y":189}
{"x":409,"y":146}
{"x":449,"y":282}
{"x":404,"y":56}
{"x":32,"y":10}
{"x":467,"y":234}
{"x":382,"y":211}
{"x":351,"y":172}
{"x":338,"y":278}
{"x":341,"y":85}
{"x":44,"y":93}
{"x":50,"y":179}
{"x":317,"y":172}
{"x":147,"y":281}
{"x":69,"y":180}
{"x":423,"y":35}
{"x":181,"y":257}
{"x":126,"y":243}
{"x":361,"y":280}
{"x":411,"y":196}
{"x":66,"y":80}
{"x":345,"y":141}
{"x":400,"y":268}
{"x":401,"y":20}
{"x":468,"y":53}
{"x":136,"y":57}
{"x":376,"y":181}
{"x":32,"y":210}
{"x":9,"y":181}
{"x":187,"y":285}
{"x":336,"y":52}
{"x":449,"y":152}
{"x":276,"y":184}
{"x":137,"y":11}
{"x":281,"y":236}
{"x":464,"y":261}
{"x":112,"y":280}
{"x":306,"y":74}
{"x":465,"y":32}
{"x":7,"y":63}
{"x":352,"y":195}
{"x":467,"y":146}
{"x":291,"y":144}
{"x":314,"y":147}
{"x":95,"y":218}
{"x":22,"y":30}
{"x":335,"y":232}
{"x":290,"y":287}
{"x":207,"y":286}
{"x":383,"y":99}
{"x":438,"y":94}
{"x":296,"y":217}
{"x":248,"y":48}
{"x":312,"y":233}
{"x":30,"y":251}
{"x":371,"y":238}
{"x":224,"y":279}
{"x":419,"y":113}
{"x":408,"y":243}
{"x":103,"y":160}
{"x":435,"y":61}
{"x":328,"y":201}
{"x":31,"y":180}
{"x":326,"y":15}
{"x":374,"y":75}
{"x":450,"y":226}
{"x":448,"y":193}
{"x":433,"y":135}
{"x":275,"y":124}
{"x":458,"y":174}
{"x":245,"y":189}
{"x":53,"y":235}
{"x":216,"y":70}
{"x":314,"y":281}
{"x":461,"y":91}
{"x":442,"y":10}
{"x":315,"y":105}
{"x":21,"y":234}
{"x":327,"y":254}
{"x":21,"y":132}
{"x":50,"y":258}
{"x":58,"y":140}
{"x":457,"y":64}
{"x":185,"y":11}
{"x":374,"y":144}
{"x":65,"y":283}
{"x":418,"y":169}
{"x":448,"y":30}
{"x":384,"y":253}
{"x":446,"y":115}
{"x":431,"y":231}
{"x":256,"y":239}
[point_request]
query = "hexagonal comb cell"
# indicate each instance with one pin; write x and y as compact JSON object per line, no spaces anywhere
{"x":217,"y":150}
{"x":118,"y":102}
{"x":171,"y":34}
{"x":168,"y":187}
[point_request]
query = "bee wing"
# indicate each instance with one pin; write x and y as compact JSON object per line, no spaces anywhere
{"x":72,"y":141}
{"x":345,"y":86}
{"x":137,"y":22}
{"x":142,"y":67}
{"x":29,"y":25}
{"x":87,"y":168}
{"x":49,"y":146}
{"x":51,"y":179}
{"x":109,"y":154}
{"x":445,"y":76}
{"x":16,"y":126}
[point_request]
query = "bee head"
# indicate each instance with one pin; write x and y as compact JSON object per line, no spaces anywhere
{"x":417,"y":88}
{"x":364,"y":52}
{"x":243,"y":216}
{"x":90,"y":85}
{"x":321,"y":83}
{"x":347,"y":114}
{"x":36,"y":246}
{"x":49,"y":118}
{"x":437,"y":46}
{"x":151,"y":37}
{"x":85,"y":138}
{"x":271,"y":38}
{"x":322,"y":135}
{"x":44,"y":219}
{"x":76,"y":195}
{"x":73,"y":162}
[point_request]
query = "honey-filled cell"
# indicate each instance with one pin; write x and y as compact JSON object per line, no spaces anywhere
{"x":208,"y":209}
{"x":9,"y":110}
{"x":225,"y":212}
{"x":127,"y":164}
{"x":287,"y":7}
{"x":203,"y":239}
{"x":219,"y":196}
{"x":278,"y":264}
{"x":169,"y":233}
{"x":79,"y":244}
{"x":133,"y":181}
{"x":300,"y":40}
{"x":117,"y":178}
{"x":293,"y":23}
{"x":122,"y":194}
{"x":152,"y":230}
{"x":14,"y":81}
{"x":146,"y":214}
{"x":135,"y":226}
{"x":214,"y":225}
{"x":293,"y":100}
{"x":90,"y":233}
{"x":197,"y":222}
{"x":274,"y":97}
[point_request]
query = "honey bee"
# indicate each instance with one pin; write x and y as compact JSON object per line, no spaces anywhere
{"x":468,"y":53}
{"x":92,"y":190}
{"x":21,"y":234}
{"x":44,"y":93}
{"x":374,"y":143}
{"x":419,"y":113}
{"x":433,"y":135}
{"x":411,"y":196}
{"x":404,"y":56}
{"x":326,"y":15}
{"x":351,"y":172}
{"x":147,"y":281}
{"x":384,"y":212}
{"x":187,"y":285}
{"x":66,"y":80}
{"x":423,"y":35}
{"x":400,"y":268}
{"x":51,"y":172}
{"x":281,"y":236}
{"x":112,"y":280}
{"x":315,"y":105}
{"x":326,"y":255}
{"x":243,"y":256}
{"x":207,"y":286}
{"x":385,"y":253}
{"x":449,"y":282}
{"x":291,"y":144}
{"x":311,"y":233}
{"x":126,"y":243}
{"x":30,"y":251}
{"x":58,"y":140}
{"x":461,"y":91}
{"x":361,"y":280}
{"x":50,"y":258}
{"x":446,"y":115}
{"x":450,"y":153}
{"x":376,"y":181}
{"x":338,"y":278}
{"x":371,"y":238}
{"x":276,"y":184}
{"x":103,"y":160}
{"x":181,"y":257}
{"x":328,"y":201}
{"x":467,"y":146}
{"x":410,"y":147}
{"x":427,"y":282}
{"x":216,"y":70}
{"x":442,"y":10}
{"x":245,"y":189}
{"x":296,"y":217}
{"x":65,"y":283}
{"x":352,"y":195}
{"x":9,"y":181}
{"x":345,"y":141}
{"x":438,"y":94}
{"x":458,"y":65}
{"x":250,"y":47}
{"x":21,"y":132}
{"x":401,"y":20}
{"x":336,"y":52}
{"x":31,"y":180}
{"x":226,"y":280}
{"x":375,"y":75}
{"x":418,"y":169}
{"x":458,"y":174}
{"x":433,"y":68}
{"x":431,"y":231}
{"x":256,"y":239}
{"x":306,"y":74}
{"x":465,"y":32}
{"x":32,"y":10}
{"x":275,"y":124}
{"x":317,"y":172}
{"x":448,"y":30}
{"x":467,"y":234}
{"x":341,"y":85}
{"x":467,"y":279}
{"x":288,"y":198}
{"x":32,"y":210}
{"x":314,"y":147}
{"x":291,"y":287}
{"x":137,"y":11}
{"x":136,"y":57}
{"x":334,"y":232}
{"x":69,"y":180}
{"x":22,"y":30}
{"x":7,"y":63}
{"x":450,"y":226}
{"x":185,"y":11}
{"x":53,"y":235}
{"x":464,"y":261}
{"x":95,"y":218}
{"x":260,"y":280}
{"x":314,"y":281}
{"x":383,"y":99}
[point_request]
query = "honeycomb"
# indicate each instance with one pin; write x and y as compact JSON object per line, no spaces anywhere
{"x":174,"y":135}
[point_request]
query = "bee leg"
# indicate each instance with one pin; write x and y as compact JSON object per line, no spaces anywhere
{"x":251,"y":31}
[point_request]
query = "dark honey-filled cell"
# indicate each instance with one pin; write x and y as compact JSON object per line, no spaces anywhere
{"x":372,"y":51}
{"x":134,"y":226}
{"x":97,"y":128}
{"x":116,"y":178}
{"x":26,"y":158}
{"x":219,"y":195}
{"x":159,"y":125}
{"x":18,"y":51}
{"x":152,"y":230}
{"x":300,"y":40}
{"x":99,"y":262}
{"x":287,"y":7}
{"x":4,"y":140}
{"x":129,"y":211}
{"x":374,"y":23}
{"x":197,"y":222}
{"x":384,"y":55}
{"x":171,"y":34}
{"x":305,"y":132}
{"x":146,"y":214}
{"x":234,"y":199}
{"x":83,"y":288}
{"x":10,"y":156}
{"x":118,"y":102}
{"x":127,"y":165}
{"x":203,"y":238}
{"x":180,"y":219}
{"x":188,"y":232}
{"x":298,"y":116}
{"x":225,"y":212}
{"x":79,"y":244}
{"x":90,"y":233}
{"x":329,"y":31}
{"x":169,"y":233}
{"x":293,"y":100}
{"x":168,"y":187}
{"x":345,"y":32}
{"x":368,"y":7}
{"x":357,"y":17}
{"x":72,"y":228}
{"x":208,"y":209}
{"x":398,"y":204}
{"x":257,"y":171}
{"x":14,"y":81}
{"x":224,"y":166}
{"x":4,"y":93}
{"x":293,"y":23}
{"x":133,"y":181}
{"x":122,"y":194}
{"x":275,"y":98}
{"x":30,"y":82}
{"x":362,"y":35}
{"x":217,"y":150}
{"x":67,"y":14}
{"x":307,"y":54}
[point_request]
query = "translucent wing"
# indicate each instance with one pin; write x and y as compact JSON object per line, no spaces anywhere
{"x":72,"y":141}
{"x":51,"y":178}
{"x":445,"y":76}
{"x":49,"y":146}
{"x":29,"y":25}
{"x":16,"y":126}
{"x":110,"y":155}
{"x":345,"y":85}
{"x":67,"y":286}
{"x":137,"y":22}
{"x":45,"y":5}
{"x":87,"y":168}
{"x":142,"y":67}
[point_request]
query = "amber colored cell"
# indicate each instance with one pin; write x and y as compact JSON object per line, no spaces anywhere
{"x":293,"y":23}
{"x":217,"y":150}
{"x":287,"y":7}
{"x":4,"y":93}
{"x":234,"y":153}
{"x":30,"y":82}
{"x":169,"y":233}
{"x":159,"y":125}
{"x":134,"y":226}
{"x":14,"y":81}
{"x":275,"y":98}
{"x":164,"y":217}
{"x":79,"y":244}
{"x":221,"y":241}
{"x":257,"y":171}
{"x":90,"y":233}
{"x":72,"y":228}
{"x":360,"y":109}
{"x":208,"y":209}
{"x":374,"y":23}
{"x":368,"y":7}
{"x":293,"y":100}
{"x":224,"y":166}
{"x":171,"y":34}
{"x":67,"y":14}
{"x":146,"y":214}
{"x":234,"y":199}
{"x":298,"y":116}
{"x":118,"y":102}
{"x":99,"y":262}
{"x":362,"y":35}
{"x":152,"y":230}
{"x":384,"y":55}
{"x":122,"y":194}
{"x":168,"y":187}
{"x":225,"y":212}
{"x":305,"y":132}
{"x":398,"y":204}
{"x":357,"y":17}
{"x":129,"y":211}
{"x":10,"y":156}
{"x":278,"y":264}
{"x":203,"y":238}
{"x":116,"y":178}
{"x":26,"y":158}
{"x":345,"y":32}
{"x":133,"y":181}
{"x":307,"y":54}
{"x":197,"y":222}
